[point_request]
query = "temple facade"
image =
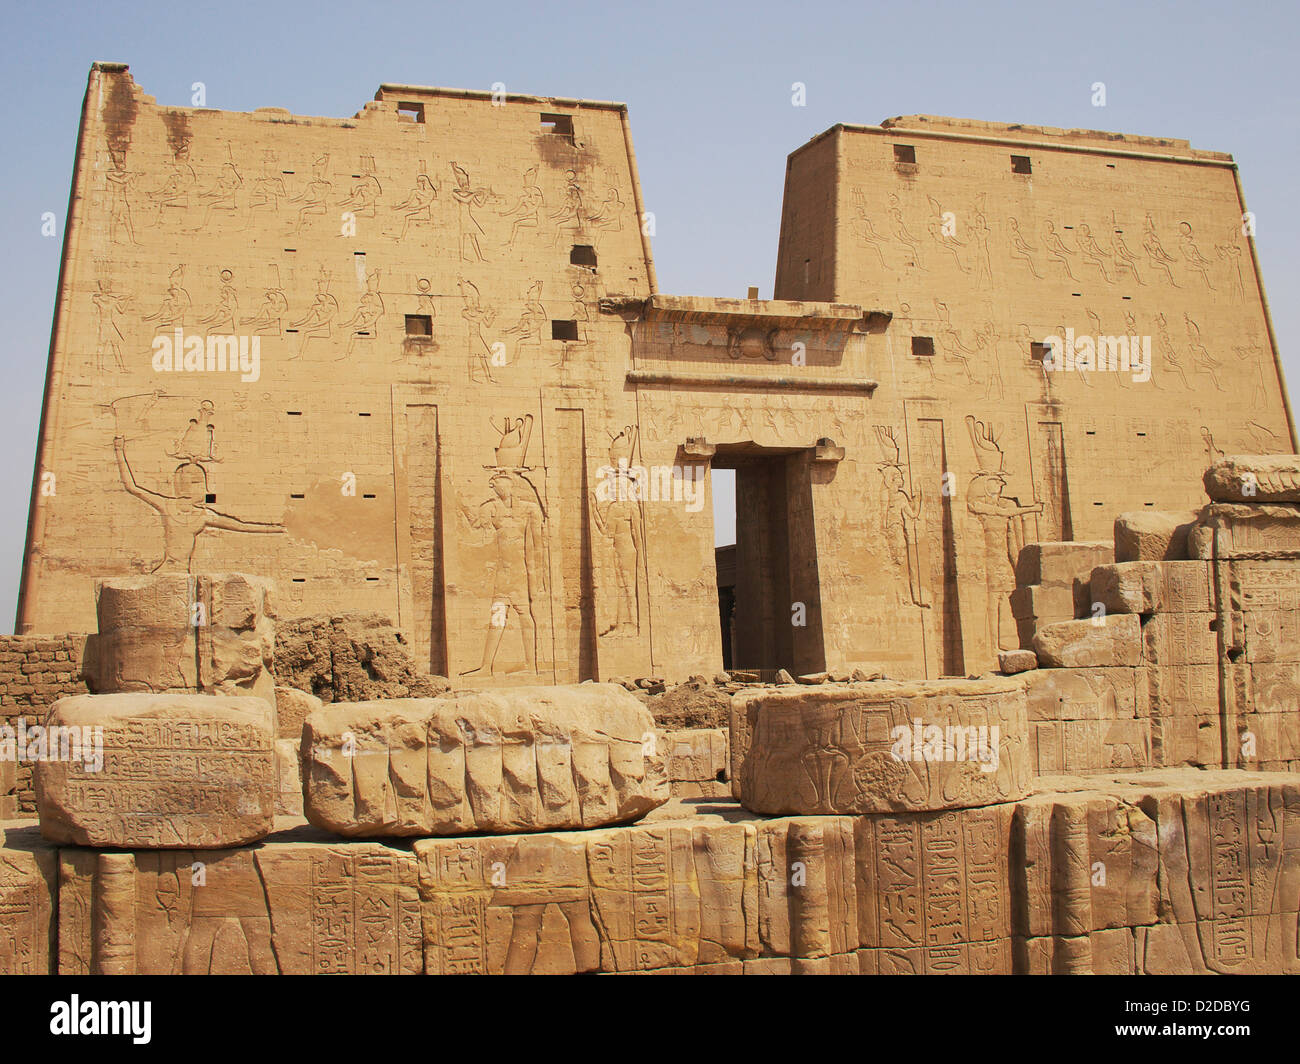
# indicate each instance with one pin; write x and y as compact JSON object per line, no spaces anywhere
{"x":416,"y":362}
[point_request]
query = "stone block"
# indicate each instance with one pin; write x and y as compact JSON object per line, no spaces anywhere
{"x":1081,"y":747}
{"x":1060,"y":564}
{"x":1264,"y":531}
{"x":1202,"y":867}
{"x":158,"y":771}
{"x":29,"y":877}
{"x":514,"y":759}
{"x":1087,"y":694}
{"x":208,"y":634}
{"x":1116,"y":641}
{"x":292,"y":707}
{"x":1152,"y":535}
{"x":288,"y":775}
{"x":289,"y":906}
{"x":1012,"y":662}
{"x":1182,"y":639}
{"x":1089,"y":863}
{"x":1254,"y":478}
{"x":696,"y":756}
{"x":933,"y":889}
{"x":1043,"y":603}
{"x":633,"y":899}
{"x":1127,"y":587}
{"x":885,"y":747}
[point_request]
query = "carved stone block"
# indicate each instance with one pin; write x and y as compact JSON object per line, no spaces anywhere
{"x":885,"y":747}
{"x":1225,"y":530}
{"x":1116,"y":640}
{"x":1152,"y":535}
{"x":502,"y":761}
{"x":933,"y":890}
{"x":292,"y":707}
{"x":158,"y":771}
{"x":28,"y":891}
{"x":1254,"y":478}
{"x":282,"y":907}
{"x":175,"y":632}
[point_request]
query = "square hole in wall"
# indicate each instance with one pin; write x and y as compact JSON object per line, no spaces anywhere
{"x":1020,"y":165}
{"x":904,"y":153}
{"x":419,"y":325}
{"x":559,"y":125}
{"x":583,"y":255}
{"x":923,"y":345}
{"x":414,"y":112}
{"x":564,"y":330}
{"x":1039,"y":352}
{"x":209,"y":497}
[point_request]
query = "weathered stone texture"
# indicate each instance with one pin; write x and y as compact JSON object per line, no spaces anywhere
{"x":524,"y":759}
{"x":1097,"y":642}
{"x":1152,"y":535}
{"x":1012,"y":662}
{"x":289,"y":906}
{"x":885,"y":746}
{"x":1190,"y":872}
{"x":697,"y":762}
{"x":211,"y":634}
{"x":354,"y":657}
{"x":1088,"y":720}
{"x":35,"y":672}
{"x":29,"y":878}
{"x":292,"y":707}
{"x":177,"y":771}
{"x":1254,"y":478}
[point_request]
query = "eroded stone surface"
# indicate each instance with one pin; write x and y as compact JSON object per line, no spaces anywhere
{"x":29,"y":875}
{"x":1012,"y":662}
{"x":292,"y":707}
{"x":1103,"y":641}
{"x":292,"y":906}
{"x":177,"y":771}
{"x":1152,"y":535}
{"x":1200,"y":869}
{"x":209,"y":633}
{"x":885,"y":746}
{"x":493,"y":761}
{"x":1089,"y":720}
{"x":1254,"y":478}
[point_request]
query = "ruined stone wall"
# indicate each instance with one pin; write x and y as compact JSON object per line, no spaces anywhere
{"x":1199,"y":876}
{"x":35,"y":671}
{"x":351,"y":658}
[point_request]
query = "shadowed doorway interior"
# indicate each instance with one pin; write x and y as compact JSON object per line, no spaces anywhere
{"x":768,"y":591}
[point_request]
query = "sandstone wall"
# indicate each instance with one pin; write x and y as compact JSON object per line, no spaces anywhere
{"x":1106,"y":235}
{"x":1170,"y":872}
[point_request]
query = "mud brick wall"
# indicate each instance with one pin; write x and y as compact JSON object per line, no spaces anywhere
{"x":35,"y":672}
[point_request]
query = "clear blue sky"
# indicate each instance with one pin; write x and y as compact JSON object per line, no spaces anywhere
{"x":708,"y":86}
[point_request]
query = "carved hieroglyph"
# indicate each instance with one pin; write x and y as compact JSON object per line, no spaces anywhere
{"x":884,"y":747}
{"x":177,"y":771}
{"x":530,"y":759}
{"x":29,"y":878}
{"x":652,"y":897}
{"x":1171,"y":872}
{"x":288,"y":906}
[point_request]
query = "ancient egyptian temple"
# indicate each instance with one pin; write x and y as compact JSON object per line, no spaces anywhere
{"x":375,"y":490}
